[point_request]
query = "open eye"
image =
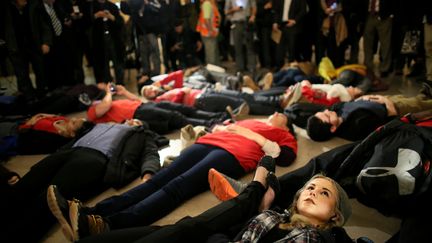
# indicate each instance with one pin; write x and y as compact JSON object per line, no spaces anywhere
{"x":325,"y":193}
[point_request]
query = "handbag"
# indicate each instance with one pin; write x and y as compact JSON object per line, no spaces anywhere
{"x":411,"y":42}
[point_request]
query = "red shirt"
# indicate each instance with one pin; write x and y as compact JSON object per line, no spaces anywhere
{"x":246,"y":151}
{"x":176,"y":77}
{"x":179,"y":96}
{"x":318,"y":96}
{"x":45,"y":124}
{"x":120,"y":111}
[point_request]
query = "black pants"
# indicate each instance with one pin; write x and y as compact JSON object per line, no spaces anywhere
{"x":219,"y":219}
{"x":77,"y":172}
{"x":164,"y":117}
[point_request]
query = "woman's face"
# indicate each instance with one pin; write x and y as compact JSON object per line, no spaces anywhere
{"x":278,"y":120}
{"x":317,"y":201}
{"x":150,"y":91}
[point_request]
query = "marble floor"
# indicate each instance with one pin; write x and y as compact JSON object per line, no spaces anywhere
{"x":364,"y":221}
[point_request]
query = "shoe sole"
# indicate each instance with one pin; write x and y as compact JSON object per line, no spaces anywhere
{"x":73,"y":216}
{"x":56,"y":211}
{"x":220,"y":187}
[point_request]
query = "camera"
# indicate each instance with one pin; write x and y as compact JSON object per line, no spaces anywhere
{"x":113,"y":88}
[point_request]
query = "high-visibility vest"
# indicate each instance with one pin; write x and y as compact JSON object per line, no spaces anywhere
{"x":215,"y":21}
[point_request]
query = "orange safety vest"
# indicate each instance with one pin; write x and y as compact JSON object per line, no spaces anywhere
{"x":215,"y":21}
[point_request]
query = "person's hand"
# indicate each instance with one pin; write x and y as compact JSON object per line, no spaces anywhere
{"x":275,"y":27}
{"x":121,"y":90}
{"x":45,"y":49}
{"x":75,"y":15}
{"x":99,"y":14}
{"x":67,"y":22}
{"x":291,"y":22}
{"x":199,"y":46}
{"x":374,"y":98}
{"x":146,"y":177}
{"x":268,"y":5}
{"x":186,"y":90}
{"x":252,"y":19}
{"x":219,"y":128}
{"x":245,"y":132}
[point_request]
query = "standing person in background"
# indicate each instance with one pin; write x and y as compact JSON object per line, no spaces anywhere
{"x":264,"y":21}
{"x":208,"y":26}
{"x":333,"y":32}
{"x":242,"y":14}
{"x":288,"y":18}
{"x":107,"y":43}
{"x":379,"y":22}
{"x":183,"y":46}
{"x":428,"y":40}
{"x":25,"y":31}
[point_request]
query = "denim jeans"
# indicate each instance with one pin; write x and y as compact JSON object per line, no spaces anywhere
{"x":183,"y":179}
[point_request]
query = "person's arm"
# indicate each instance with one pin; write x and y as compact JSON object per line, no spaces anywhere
{"x":36,"y":118}
{"x":149,"y":157}
{"x":253,"y":11}
{"x":391,"y":109}
{"x":121,"y":90}
{"x":105,"y":105}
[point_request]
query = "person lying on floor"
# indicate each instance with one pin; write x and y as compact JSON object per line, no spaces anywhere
{"x":318,"y":211}
{"x":372,"y":171}
{"x":40,"y":134}
{"x":356,"y":119}
{"x":197,"y":77}
{"x":108,"y":155}
{"x":162,"y":117}
{"x":234,"y":149}
{"x":352,"y":75}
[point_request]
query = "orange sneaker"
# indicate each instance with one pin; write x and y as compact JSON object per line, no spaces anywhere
{"x":224,"y":187}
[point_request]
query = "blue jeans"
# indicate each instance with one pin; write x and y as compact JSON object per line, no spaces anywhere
{"x":183,"y":179}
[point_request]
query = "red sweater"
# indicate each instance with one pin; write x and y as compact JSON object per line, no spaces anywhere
{"x":179,"y":96}
{"x":45,"y":124}
{"x":120,"y":111}
{"x":246,"y":151}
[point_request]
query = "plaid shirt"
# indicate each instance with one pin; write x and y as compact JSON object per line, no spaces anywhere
{"x":264,"y":222}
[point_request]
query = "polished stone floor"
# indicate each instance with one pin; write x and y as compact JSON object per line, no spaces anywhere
{"x":364,"y":221}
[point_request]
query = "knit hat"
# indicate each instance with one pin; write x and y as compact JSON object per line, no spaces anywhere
{"x":344,"y":203}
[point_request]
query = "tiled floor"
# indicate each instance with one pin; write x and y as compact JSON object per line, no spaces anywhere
{"x":364,"y":221}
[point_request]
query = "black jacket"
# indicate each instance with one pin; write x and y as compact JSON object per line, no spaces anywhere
{"x":136,"y":154}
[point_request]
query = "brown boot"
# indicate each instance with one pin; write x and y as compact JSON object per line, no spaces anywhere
{"x":248,"y":82}
{"x":268,"y":81}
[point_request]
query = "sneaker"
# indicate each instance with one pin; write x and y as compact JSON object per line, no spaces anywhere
{"x":426,"y":90}
{"x":224,"y":187}
{"x":60,"y":208}
{"x":84,"y":225}
{"x":239,"y":112}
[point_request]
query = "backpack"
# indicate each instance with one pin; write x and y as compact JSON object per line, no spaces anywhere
{"x":391,"y":166}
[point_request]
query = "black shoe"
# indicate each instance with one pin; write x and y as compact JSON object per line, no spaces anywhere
{"x":60,"y":208}
{"x":426,"y":89}
{"x":268,"y":162}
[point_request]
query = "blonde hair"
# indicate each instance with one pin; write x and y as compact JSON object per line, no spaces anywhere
{"x":299,"y":221}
